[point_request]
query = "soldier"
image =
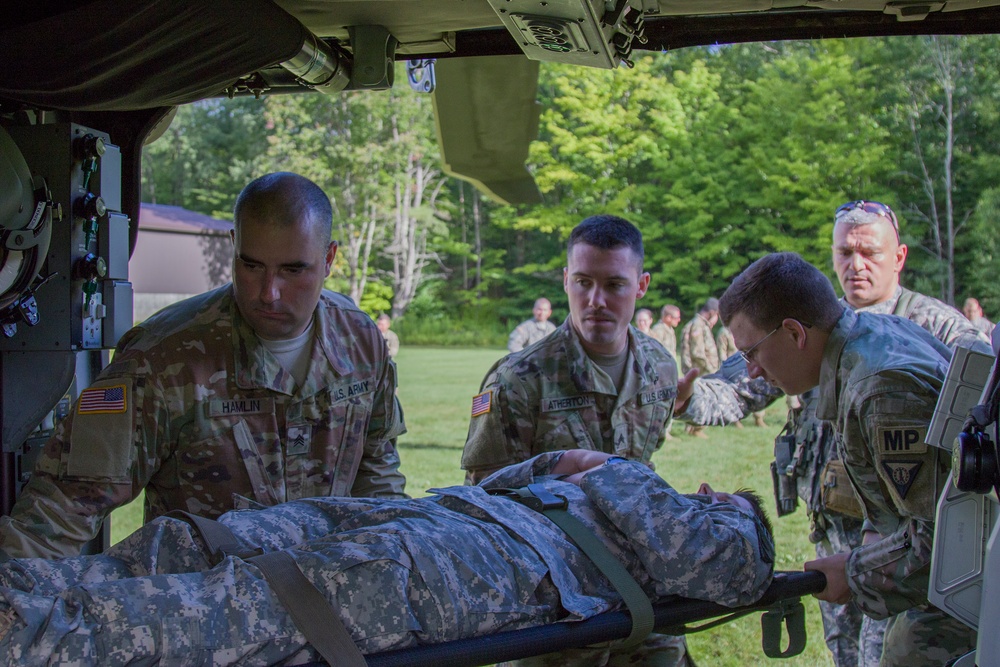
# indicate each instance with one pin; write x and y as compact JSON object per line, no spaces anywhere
{"x":974,"y":312}
{"x":698,"y":349}
{"x":400,"y":573}
{"x":877,"y":381}
{"x":258,"y":392}
{"x":595,"y":383}
{"x":868,"y":258}
{"x":531,"y":331}
{"x":644,"y":320}
{"x":665,"y":330}
{"x":391,"y":339}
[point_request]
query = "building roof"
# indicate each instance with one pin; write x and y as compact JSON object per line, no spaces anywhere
{"x":163,"y":218}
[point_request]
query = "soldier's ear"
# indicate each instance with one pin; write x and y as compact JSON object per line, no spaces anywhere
{"x":643,"y":285}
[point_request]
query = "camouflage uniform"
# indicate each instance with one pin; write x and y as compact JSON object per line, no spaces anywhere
{"x":832,"y":532}
{"x":528,"y":333}
{"x":725,"y":343}
{"x":879,"y":385}
{"x":698,"y":348}
{"x":210,"y":421}
{"x":667,"y":337}
{"x":391,"y":342}
{"x":398,"y":572}
{"x":553,"y":397}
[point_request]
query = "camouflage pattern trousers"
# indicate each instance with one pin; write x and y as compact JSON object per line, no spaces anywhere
{"x":854,"y":640}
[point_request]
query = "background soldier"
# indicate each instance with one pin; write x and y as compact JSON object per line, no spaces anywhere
{"x":391,"y":339}
{"x":698,"y":349}
{"x":665,"y":330}
{"x":644,"y":320}
{"x":595,"y":383}
{"x":974,"y":312}
{"x":264,"y":390}
{"x":531,"y":331}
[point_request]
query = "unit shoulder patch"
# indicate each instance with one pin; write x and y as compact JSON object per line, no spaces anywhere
{"x":902,"y":474}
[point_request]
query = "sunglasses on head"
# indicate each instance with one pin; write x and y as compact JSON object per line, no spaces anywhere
{"x":875,"y":207}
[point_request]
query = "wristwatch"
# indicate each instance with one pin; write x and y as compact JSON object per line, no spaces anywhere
{"x":614,"y":459}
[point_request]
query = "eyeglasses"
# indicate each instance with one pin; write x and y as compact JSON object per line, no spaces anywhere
{"x":874,"y":207}
{"x":748,"y":354}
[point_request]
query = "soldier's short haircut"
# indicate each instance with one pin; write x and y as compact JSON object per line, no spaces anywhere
{"x":607,"y":232}
{"x":755,"y":501}
{"x":779,"y":286}
{"x":711,"y":304}
{"x":383,"y":318}
{"x":285,"y":198}
{"x":669,"y":309}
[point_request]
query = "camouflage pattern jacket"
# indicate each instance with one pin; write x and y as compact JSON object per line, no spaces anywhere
{"x":391,"y":342}
{"x":197,"y":412}
{"x":399,"y":573}
{"x":667,"y":337}
{"x":698,"y":348}
{"x":552,"y":397}
{"x":879,"y":383}
{"x":528,"y":333}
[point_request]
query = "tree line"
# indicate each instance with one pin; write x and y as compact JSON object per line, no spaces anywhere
{"x":719,"y":154}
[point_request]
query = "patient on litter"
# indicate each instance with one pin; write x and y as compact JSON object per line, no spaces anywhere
{"x":460,"y":563}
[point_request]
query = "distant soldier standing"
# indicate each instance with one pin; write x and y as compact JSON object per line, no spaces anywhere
{"x":974,"y":312}
{"x":665,"y":330}
{"x":644,"y":320}
{"x":698,"y":349}
{"x":391,"y":339}
{"x":531,"y":331}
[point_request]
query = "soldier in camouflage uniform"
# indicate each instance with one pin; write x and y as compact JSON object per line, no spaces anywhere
{"x":531,"y":331}
{"x":868,"y":258}
{"x":595,"y":383}
{"x":698,"y":349}
{"x":665,"y":330}
{"x":878,"y":380}
{"x":727,"y":348}
{"x":974,"y":313}
{"x":258,"y":392}
{"x":398,"y":573}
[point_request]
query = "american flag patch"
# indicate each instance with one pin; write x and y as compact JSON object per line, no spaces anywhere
{"x":102,"y":400}
{"x":481,"y":403}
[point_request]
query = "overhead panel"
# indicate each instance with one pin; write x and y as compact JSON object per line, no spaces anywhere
{"x":487,"y":117}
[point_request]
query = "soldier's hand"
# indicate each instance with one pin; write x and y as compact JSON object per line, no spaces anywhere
{"x":835,"y":568}
{"x":685,"y":387}
{"x":575,"y":462}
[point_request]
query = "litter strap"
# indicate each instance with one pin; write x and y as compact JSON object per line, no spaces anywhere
{"x":538,"y":498}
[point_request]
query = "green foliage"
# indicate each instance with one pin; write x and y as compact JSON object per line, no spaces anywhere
{"x":719,"y":154}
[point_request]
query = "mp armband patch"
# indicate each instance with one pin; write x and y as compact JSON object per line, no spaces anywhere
{"x":901,"y":440}
{"x":902,"y":474}
{"x":481,"y":403}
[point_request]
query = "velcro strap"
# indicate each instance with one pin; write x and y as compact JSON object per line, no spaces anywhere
{"x":309,"y":609}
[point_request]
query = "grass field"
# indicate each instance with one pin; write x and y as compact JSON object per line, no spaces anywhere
{"x":435,"y":388}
